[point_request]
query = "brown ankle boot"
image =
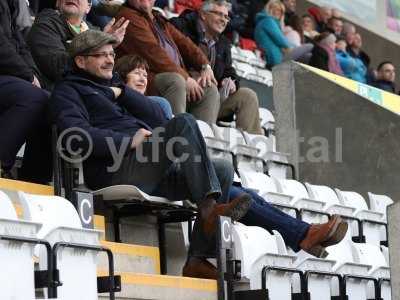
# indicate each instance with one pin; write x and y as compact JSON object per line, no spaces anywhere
{"x":235,"y":209}
{"x":199,"y":268}
{"x":320,"y":236}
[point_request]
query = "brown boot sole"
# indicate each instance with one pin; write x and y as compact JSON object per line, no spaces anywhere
{"x":239,"y":210}
{"x":337,"y":235}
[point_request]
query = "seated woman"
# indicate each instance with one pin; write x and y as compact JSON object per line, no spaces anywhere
{"x":309,"y":27}
{"x":133,"y":71}
{"x":270,"y":38}
{"x":324,"y":55}
{"x":353,"y":67}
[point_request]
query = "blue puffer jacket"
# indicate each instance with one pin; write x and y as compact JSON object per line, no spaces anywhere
{"x":87,"y":104}
{"x":270,"y":38}
{"x":352,"y":67}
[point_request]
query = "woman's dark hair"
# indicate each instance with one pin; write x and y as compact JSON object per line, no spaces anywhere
{"x":128,"y":63}
{"x":296,"y":23}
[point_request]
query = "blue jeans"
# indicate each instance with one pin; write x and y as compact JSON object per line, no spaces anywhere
{"x":264,"y":215}
{"x":164,"y":104}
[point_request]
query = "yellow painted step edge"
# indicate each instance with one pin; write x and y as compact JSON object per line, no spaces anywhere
{"x":176,"y":282}
{"x":135,"y":250}
{"x":99,"y":222}
{"x":32,"y":188}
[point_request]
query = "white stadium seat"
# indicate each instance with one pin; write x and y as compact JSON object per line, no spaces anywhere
{"x":61,"y":223}
{"x":312,"y":208}
{"x":374,"y":229}
{"x":16,"y":258}
{"x":270,"y":251}
{"x":379,"y":203}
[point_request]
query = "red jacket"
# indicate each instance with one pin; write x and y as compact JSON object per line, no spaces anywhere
{"x":141,"y":39}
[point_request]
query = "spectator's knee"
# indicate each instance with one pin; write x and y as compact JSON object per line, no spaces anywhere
{"x":248,"y":97}
{"x":177,"y":81}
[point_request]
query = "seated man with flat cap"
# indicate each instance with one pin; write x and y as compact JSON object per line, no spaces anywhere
{"x":162,"y":158}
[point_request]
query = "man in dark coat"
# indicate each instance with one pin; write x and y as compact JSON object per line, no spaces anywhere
{"x":22,"y":105}
{"x":205,"y":29}
{"x":52,"y":32}
{"x":166,"y":159}
{"x":386,"y":77}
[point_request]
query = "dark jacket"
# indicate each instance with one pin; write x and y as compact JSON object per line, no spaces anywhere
{"x":141,"y":39}
{"x":48,"y":40}
{"x":387,"y":86}
{"x":87,"y":103}
{"x":362,"y":55}
{"x":319,"y":58}
{"x":187,"y":23}
{"x":15,"y":58}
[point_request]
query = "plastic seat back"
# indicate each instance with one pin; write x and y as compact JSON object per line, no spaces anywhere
{"x":205,"y":129}
{"x":7,"y":210}
{"x":379,"y":203}
{"x":292,"y":187}
{"x":352,"y":199}
{"x":51,"y":211}
{"x":258,"y":181}
{"x":16,"y":259}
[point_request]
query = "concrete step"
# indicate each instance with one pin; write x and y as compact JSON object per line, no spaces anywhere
{"x":136,"y":286}
{"x":131,"y":258}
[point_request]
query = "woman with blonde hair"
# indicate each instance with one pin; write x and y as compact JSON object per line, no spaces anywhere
{"x":271,"y":39}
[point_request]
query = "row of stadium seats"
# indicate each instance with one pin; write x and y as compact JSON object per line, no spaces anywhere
{"x":358,"y":271}
{"x":263,"y":170}
{"x":249,"y":66}
{"x":67,"y":264}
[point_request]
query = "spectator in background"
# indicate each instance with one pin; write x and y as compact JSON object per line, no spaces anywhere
{"x":355,"y":50}
{"x":324,"y":55}
{"x":309,"y":27}
{"x":52,"y":32}
{"x":205,"y":29}
{"x":290,"y":10}
{"x":349,"y":31}
{"x":335,"y":25}
{"x":94,"y":100}
{"x":133,"y":71}
{"x":294,"y":31}
{"x":23,"y":103}
{"x":386,"y":76}
{"x":353,"y":68}
{"x":322,"y":15}
{"x":270,"y":38}
{"x":170,"y":55}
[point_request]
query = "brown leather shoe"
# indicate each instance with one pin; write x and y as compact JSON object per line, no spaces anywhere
{"x":235,"y":209}
{"x":199,"y":268}
{"x":323,"y":235}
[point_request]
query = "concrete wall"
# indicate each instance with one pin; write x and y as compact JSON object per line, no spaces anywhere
{"x":377,"y":47}
{"x":394,"y":249}
{"x":336,"y":138}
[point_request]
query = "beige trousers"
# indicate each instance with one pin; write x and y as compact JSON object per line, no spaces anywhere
{"x":172,"y":86}
{"x":244,"y":104}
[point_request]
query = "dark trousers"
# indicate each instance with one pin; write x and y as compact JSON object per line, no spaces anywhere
{"x":166,"y":173}
{"x":23,"y":119}
{"x":264,"y":215}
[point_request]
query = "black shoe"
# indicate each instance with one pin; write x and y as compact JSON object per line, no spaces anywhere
{"x":6,"y":174}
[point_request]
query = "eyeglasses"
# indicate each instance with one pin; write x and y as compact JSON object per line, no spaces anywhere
{"x":101,"y":54}
{"x":221,"y":15}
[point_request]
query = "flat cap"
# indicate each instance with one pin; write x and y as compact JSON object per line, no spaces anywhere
{"x":89,"y":40}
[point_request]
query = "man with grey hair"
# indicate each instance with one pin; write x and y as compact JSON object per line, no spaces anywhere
{"x":53,"y":31}
{"x":162,"y":158}
{"x":205,"y":29}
